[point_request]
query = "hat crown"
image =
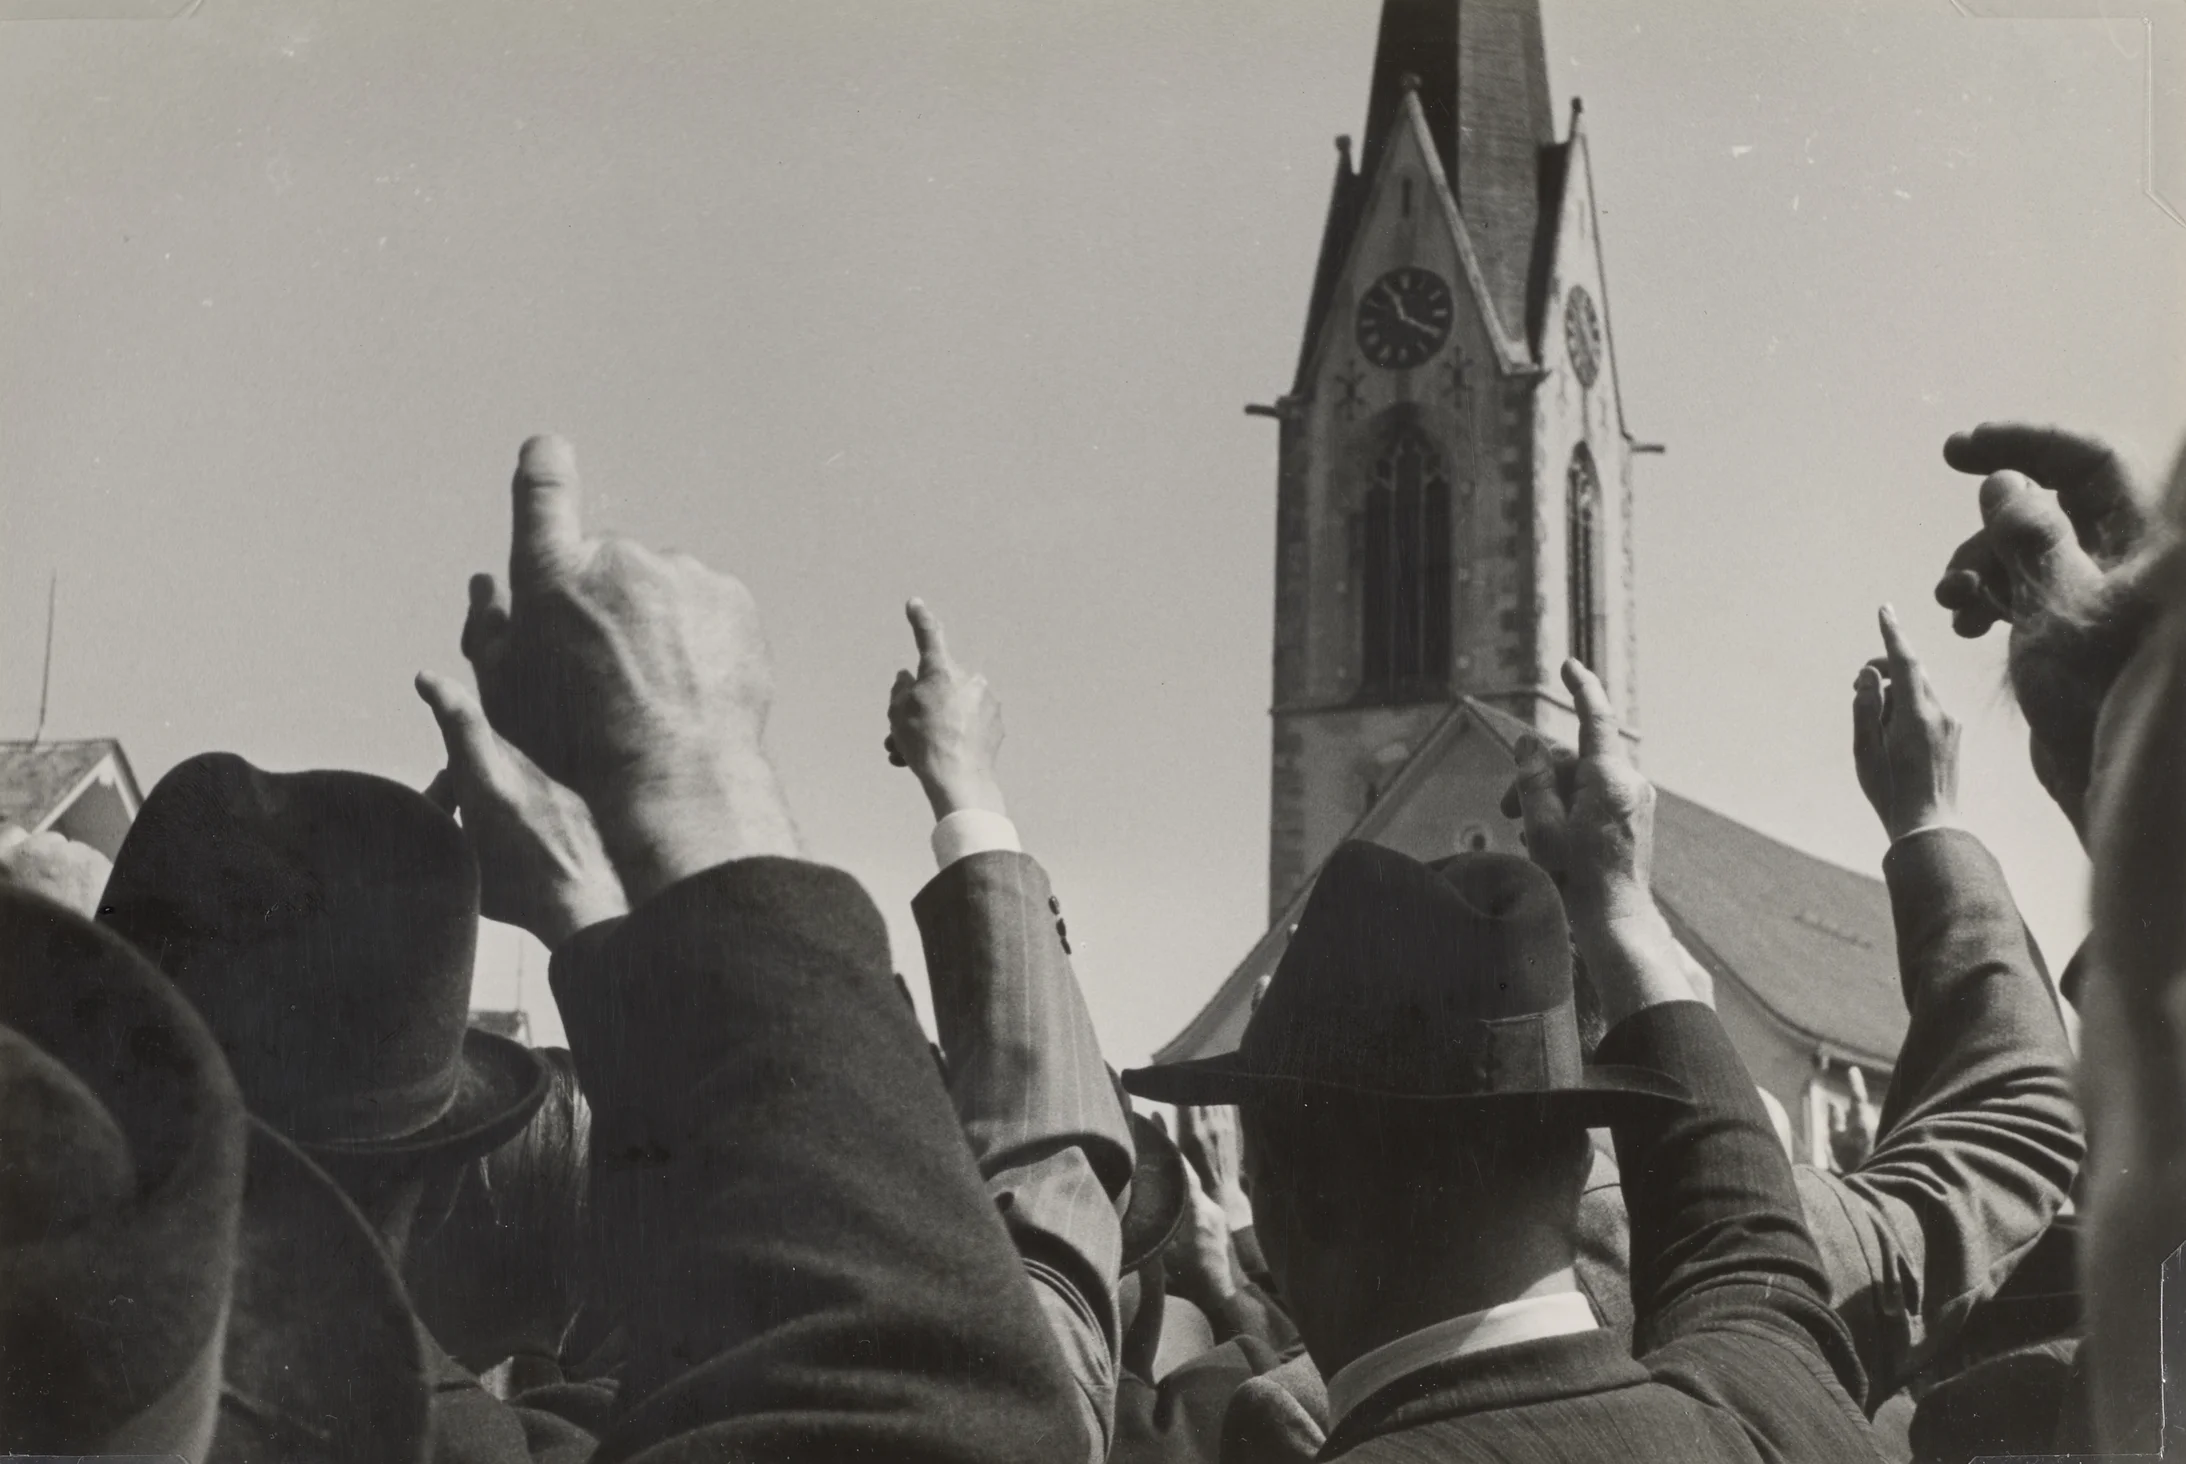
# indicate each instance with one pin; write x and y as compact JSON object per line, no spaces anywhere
{"x":1432,"y":982}
{"x":110,"y":1313}
{"x":324,"y":923}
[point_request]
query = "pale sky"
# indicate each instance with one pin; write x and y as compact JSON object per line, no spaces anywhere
{"x":964,"y":300}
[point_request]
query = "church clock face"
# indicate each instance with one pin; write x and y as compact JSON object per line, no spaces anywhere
{"x":1404,"y":318}
{"x":1583,"y":335}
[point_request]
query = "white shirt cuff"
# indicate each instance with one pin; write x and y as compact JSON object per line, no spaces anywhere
{"x":971,"y":831}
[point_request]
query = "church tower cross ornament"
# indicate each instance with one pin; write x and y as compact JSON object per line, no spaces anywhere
{"x":1349,"y":383}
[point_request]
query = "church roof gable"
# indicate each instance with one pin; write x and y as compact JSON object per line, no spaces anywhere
{"x":1359,"y":196}
{"x":1812,"y":942}
{"x":1344,"y":199}
{"x":1476,"y":74}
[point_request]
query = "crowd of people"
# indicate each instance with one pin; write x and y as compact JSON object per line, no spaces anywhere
{"x":1484,"y":1180}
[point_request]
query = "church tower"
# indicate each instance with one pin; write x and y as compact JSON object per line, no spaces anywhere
{"x":1454,"y":518}
{"x":1454,"y":488}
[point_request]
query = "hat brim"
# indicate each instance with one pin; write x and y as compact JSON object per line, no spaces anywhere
{"x":1605,"y":1093}
{"x":499,"y":1086}
{"x":294,"y":1387}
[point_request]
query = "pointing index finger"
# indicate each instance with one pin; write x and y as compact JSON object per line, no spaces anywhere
{"x":1902,"y":660}
{"x":1598,"y":733}
{"x":933,"y":649}
{"x":549,"y":530}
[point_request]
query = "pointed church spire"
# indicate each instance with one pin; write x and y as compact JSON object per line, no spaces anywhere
{"x":1481,"y":75}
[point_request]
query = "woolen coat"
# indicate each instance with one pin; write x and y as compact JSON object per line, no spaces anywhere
{"x":1738,"y":1355}
{"x":794,"y":1238}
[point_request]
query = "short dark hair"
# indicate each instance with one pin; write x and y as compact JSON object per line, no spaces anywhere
{"x":1358,"y":1165}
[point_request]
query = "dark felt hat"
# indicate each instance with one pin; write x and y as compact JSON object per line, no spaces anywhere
{"x":166,"y":1257}
{"x":325,"y":1362}
{"x":1158,"y":1178}
{"x":1448,"y":985}
{"x":324,"y":923}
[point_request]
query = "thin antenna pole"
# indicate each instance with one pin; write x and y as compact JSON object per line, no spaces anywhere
{"x":45,"y":678}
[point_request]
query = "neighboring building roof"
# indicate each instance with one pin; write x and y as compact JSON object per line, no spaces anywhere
{"x":38,"y":780}
{"x":1813,"y":943}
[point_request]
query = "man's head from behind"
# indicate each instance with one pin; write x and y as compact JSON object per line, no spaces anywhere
{"x":1411,"y":1212}
{"x":1413,"y":1093}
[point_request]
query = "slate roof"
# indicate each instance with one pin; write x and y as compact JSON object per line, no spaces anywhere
{"x":1811,"y":941}
{"x":35,"y":777}
{"x":1814,"y":942}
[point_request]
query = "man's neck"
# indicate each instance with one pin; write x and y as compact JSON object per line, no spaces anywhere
{"x":1363,"y":1321}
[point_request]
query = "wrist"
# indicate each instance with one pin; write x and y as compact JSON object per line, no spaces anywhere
{"x":1928,"y":816}
{"x":1633,"y":960}
{"x":665,"y":823}
{"x":1620,"y":904}
{"x":962,"y":792}
{"x":579,"y":905}
{"x":1236,"y":1208}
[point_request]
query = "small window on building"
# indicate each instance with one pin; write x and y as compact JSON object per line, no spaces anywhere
{"x":1405,"y":604}
{"x":1583,"y":559}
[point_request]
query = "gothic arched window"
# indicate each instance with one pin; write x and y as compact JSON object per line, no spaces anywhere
{"x":1582,"y":567}
{"x":1406,"y":548}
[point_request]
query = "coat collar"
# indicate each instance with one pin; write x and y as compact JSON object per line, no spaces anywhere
{"x":1517,"y":1376}
{"x":1545,"y":1313}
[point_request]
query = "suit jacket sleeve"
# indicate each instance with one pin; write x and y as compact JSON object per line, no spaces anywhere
{"x":1727,"y":1291}
{"x":1035,"y":1099}
{"x":789,"y":1224}
{"x":1980,"y":1135}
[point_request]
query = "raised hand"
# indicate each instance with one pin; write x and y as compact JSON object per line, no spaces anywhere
{"x":2057,"y":510}
{"x":53,"y":865}
{"x":1198,"y":1260}
{"x":541,"y":864}
{"x":640,"y":680}
{"x":1590,"y":822}
{"x":945,"y":725}
{"x":2064,"y":541}
{"x":1209,"y":1138}
{"x":1904,"y":744}
{"x":1590,"y":818}
{"x":1998,"y":573}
